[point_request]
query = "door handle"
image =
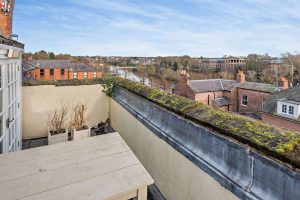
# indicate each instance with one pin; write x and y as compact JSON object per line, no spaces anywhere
{"x":8,"y":122}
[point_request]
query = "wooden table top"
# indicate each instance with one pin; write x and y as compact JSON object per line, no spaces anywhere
{"x":101,"y":167}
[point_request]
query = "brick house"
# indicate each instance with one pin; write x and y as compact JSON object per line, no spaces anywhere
{"x":283,"y":109}
{"x":58,"y":70}
{"x":230,"y":95}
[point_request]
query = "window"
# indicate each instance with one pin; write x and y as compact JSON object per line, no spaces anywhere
{"x":51,"y":72}
{"x":62,"y":72}
{"x":85,"y":74}
{"x":95,"y":74}
{"x":42,"y":72}
{"x":291,"y":110}
{"x":244,"y":100}
{"x":75,"y":75}
{"x":284,"y":108}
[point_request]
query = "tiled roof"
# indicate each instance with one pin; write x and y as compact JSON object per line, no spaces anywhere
{"x":289,"y":95}
{"x":51,"y":64}
{"x":214,"y":85}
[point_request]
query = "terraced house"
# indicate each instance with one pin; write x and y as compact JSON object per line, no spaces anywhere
{"x":229,"y":95}
{"x":58,"y":70}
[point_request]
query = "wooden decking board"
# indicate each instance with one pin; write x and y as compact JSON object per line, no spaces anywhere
{"x":56,"y":161}
{"x":107,"y":186}
{"x":88,"y":169}
{"x":39,"y":152}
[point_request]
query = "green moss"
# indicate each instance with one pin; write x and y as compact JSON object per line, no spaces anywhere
{"x":274,"y":141}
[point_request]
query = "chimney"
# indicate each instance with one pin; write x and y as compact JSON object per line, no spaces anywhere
{"x":241,"y":78}
{"x":30,"y":58}
{"x":283,"y":83}
{"x":6,"y":17}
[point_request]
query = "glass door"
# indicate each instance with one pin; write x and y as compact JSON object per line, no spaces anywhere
{"x":1,"y":111}
{"x":10,"y":127}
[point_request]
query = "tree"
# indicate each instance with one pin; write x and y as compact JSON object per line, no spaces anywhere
{"x":292,"y":66}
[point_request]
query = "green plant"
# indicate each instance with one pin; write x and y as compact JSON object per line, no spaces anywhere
{"x":108,"y":85}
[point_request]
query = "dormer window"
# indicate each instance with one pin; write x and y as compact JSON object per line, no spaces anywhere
{"x":288,"y":108}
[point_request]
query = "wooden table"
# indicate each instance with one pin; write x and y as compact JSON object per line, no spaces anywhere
{"x":101,"y":167}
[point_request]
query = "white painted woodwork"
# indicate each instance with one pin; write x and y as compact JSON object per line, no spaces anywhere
{"x":101,"y":167}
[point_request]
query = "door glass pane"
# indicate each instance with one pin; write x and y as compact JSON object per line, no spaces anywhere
{"x":1,"y":126}
{"x":1,"y":147}
{"x":1,"y":101}
{"x":1,"y":76}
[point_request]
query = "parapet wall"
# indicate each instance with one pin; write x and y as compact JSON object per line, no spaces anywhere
{"x":39,"y":100}
{"x":246,"y":172}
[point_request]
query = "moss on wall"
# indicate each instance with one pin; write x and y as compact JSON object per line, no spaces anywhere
{"x":274,"y":141}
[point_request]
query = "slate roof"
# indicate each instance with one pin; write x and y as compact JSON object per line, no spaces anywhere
{"x":214,"y":85}
{"x":288,"y":95}
{"x":220,"y":102}
{"x":28,"y":66}
{"x":63,"y":64}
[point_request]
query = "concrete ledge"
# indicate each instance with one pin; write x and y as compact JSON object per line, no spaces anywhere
{"x":242,"y":170}
{"x":59,"y":83}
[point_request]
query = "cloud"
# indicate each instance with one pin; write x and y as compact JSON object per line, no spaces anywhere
{"x":152,"y":28}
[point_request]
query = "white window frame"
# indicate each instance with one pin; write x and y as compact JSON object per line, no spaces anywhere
{"x":95,"y":74}
{"x":85,"y":75}
{"x":75,"y":75}
{"x":284,"y":108}
{"x":288,"y":109}
{"x":244,"y":102}
{"x":291,"y":110}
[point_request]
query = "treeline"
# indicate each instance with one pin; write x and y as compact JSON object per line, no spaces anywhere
{"x":44,"y":55}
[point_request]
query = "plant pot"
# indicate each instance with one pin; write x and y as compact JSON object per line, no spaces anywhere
{"x":59,"y":138}
{"x":81,"y":134}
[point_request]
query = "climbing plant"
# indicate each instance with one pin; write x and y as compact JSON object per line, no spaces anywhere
{"x":108,"y":85}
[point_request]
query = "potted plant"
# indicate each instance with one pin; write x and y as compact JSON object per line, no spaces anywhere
{"x":57,"y":131}
{"x":79,"y":126}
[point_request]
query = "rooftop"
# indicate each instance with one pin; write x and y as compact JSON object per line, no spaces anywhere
{"x":214,"y":85}
{"x":289,"y":95}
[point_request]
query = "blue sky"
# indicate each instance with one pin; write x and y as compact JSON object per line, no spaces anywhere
{"x":209,"y":28}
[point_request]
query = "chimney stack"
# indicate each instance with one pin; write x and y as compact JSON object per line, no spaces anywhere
{"x":6,"y":17}
{"x":241,"y":77}
{"x":283,"y":83}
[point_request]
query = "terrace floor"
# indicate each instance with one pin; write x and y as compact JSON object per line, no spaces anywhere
{"x":101,"y":167}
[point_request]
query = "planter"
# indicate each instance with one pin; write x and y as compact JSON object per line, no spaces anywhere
{"x":59,"y":138}
{"x":81,"y":134}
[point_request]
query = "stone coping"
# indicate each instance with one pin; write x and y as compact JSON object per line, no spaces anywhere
{"x":59,"y":83}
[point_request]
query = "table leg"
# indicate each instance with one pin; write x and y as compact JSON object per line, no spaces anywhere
{"x":141,"y":194}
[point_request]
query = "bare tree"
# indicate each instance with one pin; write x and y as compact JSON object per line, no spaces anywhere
{"x":57,"y":120}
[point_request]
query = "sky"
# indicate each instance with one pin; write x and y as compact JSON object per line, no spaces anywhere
{"x":210,"y":28}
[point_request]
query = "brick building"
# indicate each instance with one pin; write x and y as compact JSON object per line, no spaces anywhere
{"x":58,"y":70}
{"x":235,"y":61}
{"x":283,"y":109}
{"x":230,"y":95}
{"x":212,"y":62}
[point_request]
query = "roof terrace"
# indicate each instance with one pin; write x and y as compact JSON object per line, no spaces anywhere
{"x":190,"y":150}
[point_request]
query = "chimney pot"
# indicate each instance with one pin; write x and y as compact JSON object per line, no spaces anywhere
{"x":241,"y":77}
{"x":283,"y":83}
